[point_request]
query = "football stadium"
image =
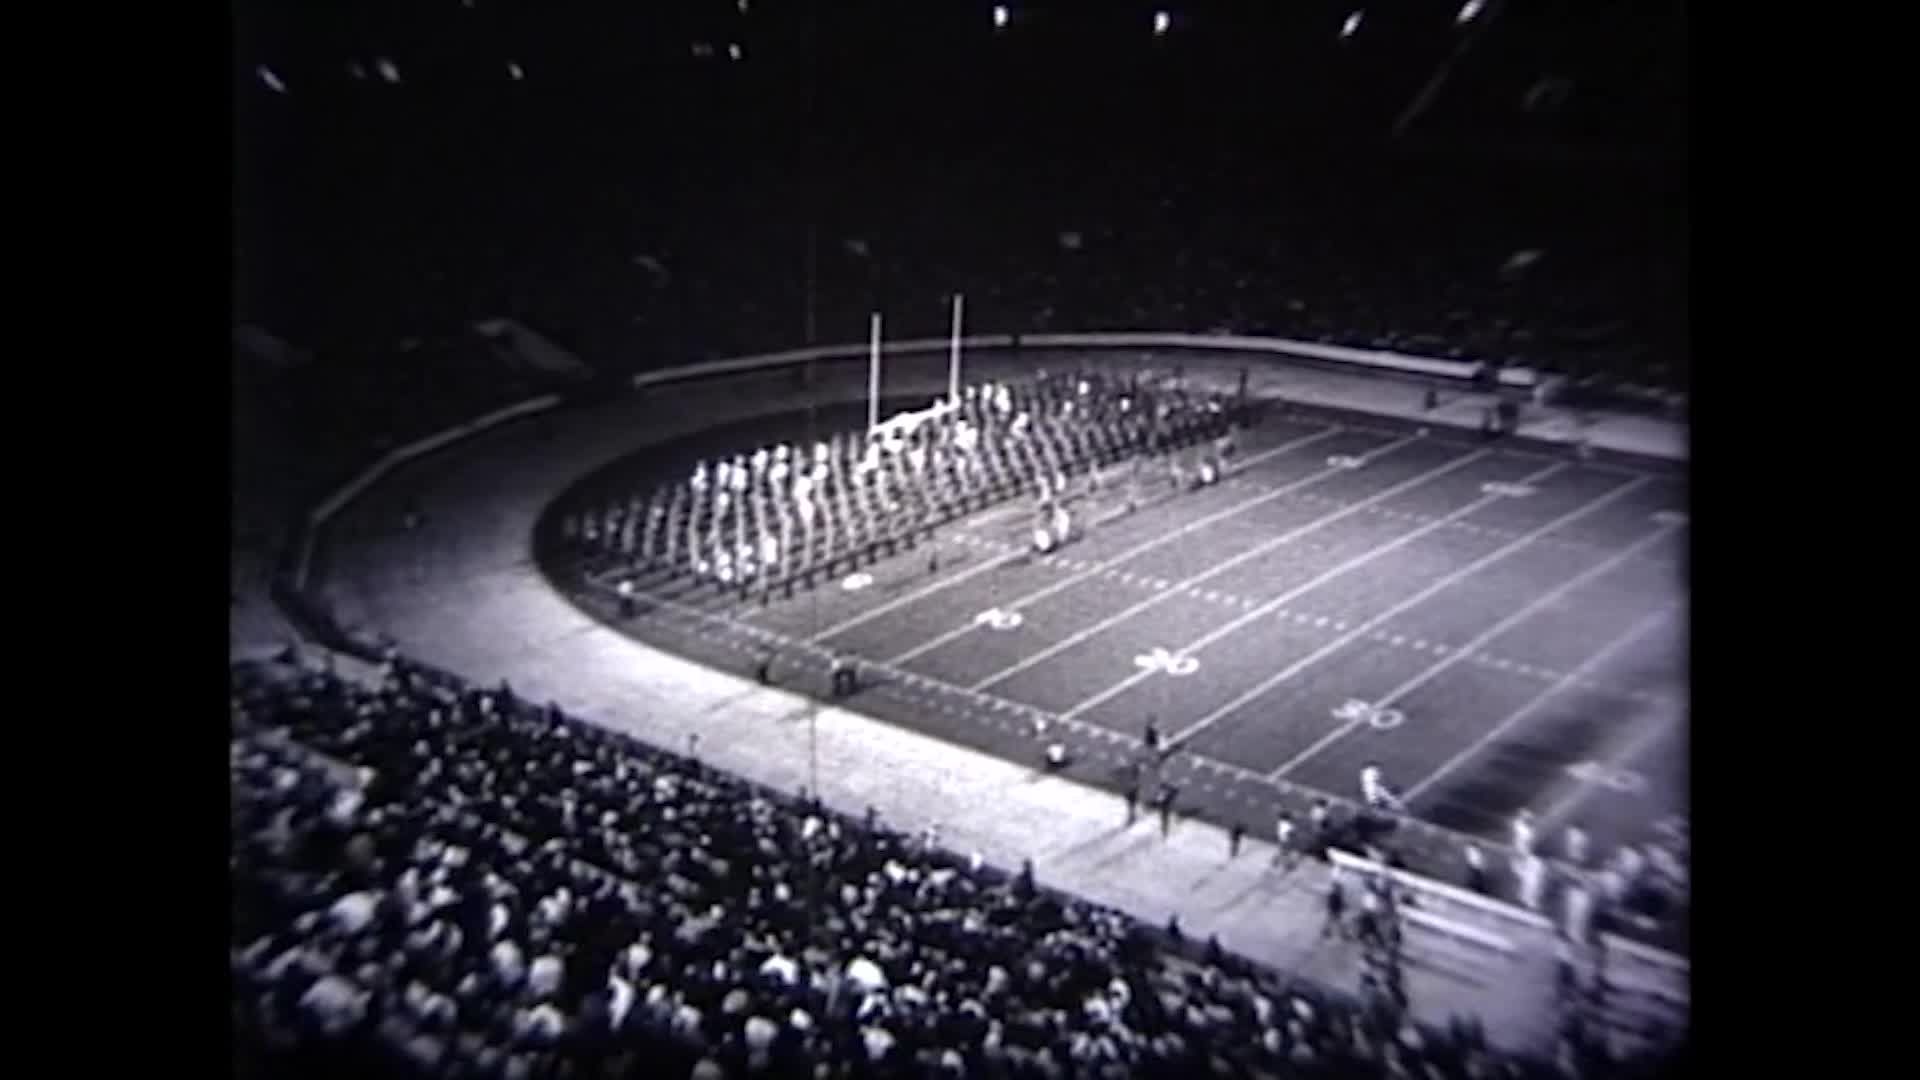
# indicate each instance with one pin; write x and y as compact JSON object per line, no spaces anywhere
{"x":1112,"y":626}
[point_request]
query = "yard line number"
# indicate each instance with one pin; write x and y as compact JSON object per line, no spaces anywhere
{"x":1167,"y":663}
{"x":1623,"y":781}
{"x":1511,"y":491}
{"x":1355,"y":711}
{"x":998,"y":619}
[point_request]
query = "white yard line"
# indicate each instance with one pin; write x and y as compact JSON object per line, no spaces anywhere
{"x":1348,"y":726}
{"x":916,"y":595}
{"x":1149,"y":545}
{"x":1656,"y":729}
{"x":1262,"y":610}
{"x":1633,"y":633}
{"x":929,"y":590}
{"x":1178,"y":587}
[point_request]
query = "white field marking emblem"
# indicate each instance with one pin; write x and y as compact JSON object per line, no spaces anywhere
{"x":1345,"y":461}
{"x":998,"y":619}
{"x":1620,"y":780}
{"x":1167,"y":663}
{"x":856,"y":582}
{"x":1670,"y":517}
{"x":1356,"y":711}
{"x":1511,"y":491}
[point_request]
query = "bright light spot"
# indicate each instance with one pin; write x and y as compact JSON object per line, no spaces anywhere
{"x":702,"y":50}
{"x":999,"y":16}
{"x":1161,"y":21}
{"x":742,"y":5}
{"x":273,"y":81}
{"x":387,"y":71}
{"x":1352,"y":24}
{"x":734,"y":52}
{"x":1469,"y":11}
{"x":513,"y":69}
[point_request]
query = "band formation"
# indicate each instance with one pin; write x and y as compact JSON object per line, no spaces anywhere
{"x":786,"y":516}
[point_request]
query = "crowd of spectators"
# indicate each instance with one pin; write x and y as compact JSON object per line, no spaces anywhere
{"x":433,"y":879}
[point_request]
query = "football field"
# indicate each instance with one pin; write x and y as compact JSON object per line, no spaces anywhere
{"x":1495,"y":624}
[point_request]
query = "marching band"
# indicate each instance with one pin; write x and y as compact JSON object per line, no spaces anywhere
{"x":778,"y":515}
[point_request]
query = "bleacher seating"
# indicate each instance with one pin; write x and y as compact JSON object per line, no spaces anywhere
{"x":435,"y":880}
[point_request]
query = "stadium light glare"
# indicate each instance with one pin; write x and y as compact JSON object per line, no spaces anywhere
{"x":1161,"y":22}
{"x":388,"y":71}
{"x":734,"y":51}
{"x":1469,"y":11}
{"x":1352,"y":24}
{"x":513,"y":70}
{"x":271,"y":80}
{"x":999,"y":16}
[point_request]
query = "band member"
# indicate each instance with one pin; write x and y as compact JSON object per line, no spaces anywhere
{"x":626,"y":598}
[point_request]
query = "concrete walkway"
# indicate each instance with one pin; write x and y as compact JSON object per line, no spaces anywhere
{"x":460,"y":592}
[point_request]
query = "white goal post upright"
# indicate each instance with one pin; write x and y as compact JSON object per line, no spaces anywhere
{"x":873,"y":377}
{"x":953,"y":363}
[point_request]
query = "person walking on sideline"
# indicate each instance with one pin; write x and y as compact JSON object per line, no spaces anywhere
{"x":1234,"y":836}
{"x":1336,"y":925}
{"x":1165,"y":801}
{"x":845,"y":682}
{"x":1284,"y":854}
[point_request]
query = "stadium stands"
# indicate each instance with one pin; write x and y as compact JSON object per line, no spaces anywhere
{"x":435,"y":880}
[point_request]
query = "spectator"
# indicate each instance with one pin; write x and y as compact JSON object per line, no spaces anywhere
{"x":609,"y":907}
